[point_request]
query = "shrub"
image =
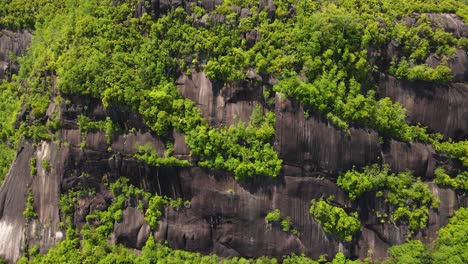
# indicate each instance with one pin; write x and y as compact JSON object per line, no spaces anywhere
{"x":410,"y":199}
{"x":334,"y":220}
{"x":29,"y":212}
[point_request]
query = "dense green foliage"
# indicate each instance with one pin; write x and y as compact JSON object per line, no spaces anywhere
{"x":29,"y":212}
{"x":33,"y":167}
{"x":335,"y":220}
{"x":451,"y":246}
{"x":9,"y":106}
{"x":452,"y":243}
{"x":19,"y":14}
{"x":457,"y":150}
{"x":408,"y":197}
{"x":458,"y":182}
{"x":319,"y":56}
{"x":156,"y":253}
{"x":412,"y":252}
{"x":86,"y":125}
{"x":325,"y":54}
{"x":247,"y":151}
{"x":91,"y":245}
{"x":149,"y":156}
{"x":100,"y":52}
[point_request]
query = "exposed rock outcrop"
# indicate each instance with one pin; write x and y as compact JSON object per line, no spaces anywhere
{"x":441,"y":107}
{"x":12,"y":45}
{"x":225,"y":216}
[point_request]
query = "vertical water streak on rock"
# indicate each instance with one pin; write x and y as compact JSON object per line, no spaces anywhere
{"x":14,"y":192}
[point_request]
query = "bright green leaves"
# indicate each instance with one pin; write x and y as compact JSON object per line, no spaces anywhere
{"x":154,"y":211}
{"x":9,"y":106}
{"x":29,"y":213}
{"x":122,"y":191}
{"x":357,"y":183}
{"x":413,"y":251}
{"x":105,"y":56}
{"x":450,"y":246}
{"x":246,"y":151}
{"x":390,"y":119}
{"x":416,"y":43}
{"x":81,"y":71}
{"x":20,"y":14}
{"x":343,"y":103}
{"x":150,"y":157}
{"x":452,"y":242}
{"x":87,"y":125}
{"x":274,"y":217}
{"x":457,"y":150}
{"x":335,"y":220}
{"x":163,"y":108}
{"x":404,"y":70}
{"x":410,"y":199}
{"x":458,"y":182}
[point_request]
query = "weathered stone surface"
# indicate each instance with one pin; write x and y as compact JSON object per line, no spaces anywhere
{"x":449,"y":22}
{"x":416,"y":157}
{"x":444,"y":108}
{"x":316,"y":146}
{"x":270,"y":6}
{"x":132,"y":231}
{"x":377,"y":237}
{"x":458,"y":63}
{"x":225,"y":216}
{"x":46,"y":190}
{"x":198,"y":88}
{"x":228,"y":217}
{"x":210,"y":5}
{"x":12,"y":44}
{"x":129,"y":143}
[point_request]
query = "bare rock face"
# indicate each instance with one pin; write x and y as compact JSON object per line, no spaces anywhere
{"x":416,"y":157}
{"x":132,"y":231}
{"x":441,"y":107}
{"x":220,"y":103}
{"x":13,"y":194}
{"x":450,"y":23}
{"x":44,"y":187}
{"x":458,"y":63}
{"x":46,"y":192}
{"x":225,"y":216}
{"x":314,"y":145}
{"x":12,"y":45}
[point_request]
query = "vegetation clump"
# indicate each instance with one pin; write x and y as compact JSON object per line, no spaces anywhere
{"x":335,"y":220}
{"x":459,"y":182}
{"x":408,"y":197}
{"x":449,"y":247}
{"x":29,"y":212}
{"x":33,"y":167}
{"x":325,"y":54}
{"x":274,"y":217}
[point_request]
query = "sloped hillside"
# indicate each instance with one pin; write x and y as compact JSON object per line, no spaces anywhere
{"x":233,"y":131}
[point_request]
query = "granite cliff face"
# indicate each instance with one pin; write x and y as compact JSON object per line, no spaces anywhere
{"x":225,"y":216}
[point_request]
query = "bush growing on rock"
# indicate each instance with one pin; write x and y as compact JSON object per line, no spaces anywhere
{"x":334,"y":220}
{"x":410,"y":199}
